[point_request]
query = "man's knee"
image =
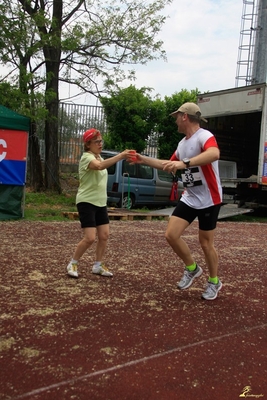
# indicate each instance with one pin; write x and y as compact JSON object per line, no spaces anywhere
{"x":171,"y":236}
{"x":206,"y":242}
{"x":167,"y":236}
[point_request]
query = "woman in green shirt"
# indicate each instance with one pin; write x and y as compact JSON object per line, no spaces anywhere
{"x":91,"y":201}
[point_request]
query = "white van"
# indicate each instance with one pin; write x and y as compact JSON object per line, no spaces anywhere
{"x":136,"y":184}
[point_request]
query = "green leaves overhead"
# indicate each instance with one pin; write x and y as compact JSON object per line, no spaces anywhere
{"x":90,"y":45}
{"x":133,"y":118}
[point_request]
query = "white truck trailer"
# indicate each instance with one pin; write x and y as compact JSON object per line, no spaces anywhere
{"x":238,"y":119}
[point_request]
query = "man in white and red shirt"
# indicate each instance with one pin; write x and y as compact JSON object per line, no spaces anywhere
{"x":197,"y":156}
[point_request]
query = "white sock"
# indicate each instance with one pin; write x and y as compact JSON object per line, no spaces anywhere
{"x":97,"y":263}
{"x":74,"y":261}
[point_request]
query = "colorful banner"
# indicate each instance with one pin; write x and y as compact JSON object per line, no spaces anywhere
{"x":13,"y":145}
{"x":13,"y":157}
{"x":264,"y":172}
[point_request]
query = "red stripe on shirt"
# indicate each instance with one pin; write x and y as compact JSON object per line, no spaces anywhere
{"x":174,"y":157}
{"x":211,"y":142}
{"x":212,"y":183}
{"x":210,"y":175}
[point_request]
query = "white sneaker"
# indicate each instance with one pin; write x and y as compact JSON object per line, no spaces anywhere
{"x":101,"y":270}
{"x":72,"y":270}
{"x":188,"y":277}
{"x":212,"y":290}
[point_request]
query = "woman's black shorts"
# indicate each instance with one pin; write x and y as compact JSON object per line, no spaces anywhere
{"x":92,"y":216}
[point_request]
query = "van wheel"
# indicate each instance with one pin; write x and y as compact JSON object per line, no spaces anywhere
{"x":127,"y":203}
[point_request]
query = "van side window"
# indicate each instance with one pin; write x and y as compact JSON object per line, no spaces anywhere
{"x":145,"y":172}
{"x":129,"y":169}
{"x":165,"y":176}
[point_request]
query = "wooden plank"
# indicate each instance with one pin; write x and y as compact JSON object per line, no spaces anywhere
{"x":123,"y":216}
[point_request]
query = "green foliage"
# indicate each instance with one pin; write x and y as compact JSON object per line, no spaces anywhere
{"x":10,"y":96}
{"x":132,"y":116}
{"x":126,"y":115}
{"x":86,"y":45}
{"x":83,"y":45}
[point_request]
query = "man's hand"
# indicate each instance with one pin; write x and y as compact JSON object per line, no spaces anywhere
{"x":172,"y":166}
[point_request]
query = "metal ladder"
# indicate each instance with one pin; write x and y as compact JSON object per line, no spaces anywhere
{"x":247,"y":42}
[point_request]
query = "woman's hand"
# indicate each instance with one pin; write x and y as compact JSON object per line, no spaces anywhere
{"x":125,"y":154}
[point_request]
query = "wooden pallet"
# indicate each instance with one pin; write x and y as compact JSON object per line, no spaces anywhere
{"x":133,"y":216}
{"x":122,"y":214}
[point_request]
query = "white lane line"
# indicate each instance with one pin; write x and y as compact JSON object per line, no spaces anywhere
{"x":134,"y":362}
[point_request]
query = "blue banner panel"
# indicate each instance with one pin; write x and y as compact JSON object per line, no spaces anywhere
{"x":12,"y":172}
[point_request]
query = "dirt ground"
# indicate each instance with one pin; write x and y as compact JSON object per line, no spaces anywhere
{"x":134,"y":336}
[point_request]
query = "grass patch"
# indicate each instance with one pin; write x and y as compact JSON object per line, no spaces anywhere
{"x":48,"y":206}
{"x":256,"y":216}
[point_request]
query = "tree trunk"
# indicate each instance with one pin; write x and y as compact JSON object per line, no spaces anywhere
{"x":52,"y":53}
{"x":35,"y":173}
{"x":51,"y":147}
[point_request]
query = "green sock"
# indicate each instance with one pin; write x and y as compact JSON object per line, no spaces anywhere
{"x":214,"y":280}
{"x":191,"y":267}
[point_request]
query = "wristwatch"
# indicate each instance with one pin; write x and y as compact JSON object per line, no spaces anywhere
{"x":186,"y":161}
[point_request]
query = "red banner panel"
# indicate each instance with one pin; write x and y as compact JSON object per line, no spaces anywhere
{"x":13,"y":145}
{"x":13,"y":157}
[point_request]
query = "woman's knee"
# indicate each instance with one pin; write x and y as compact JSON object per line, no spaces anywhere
{"x":103,"y":233}
{"x":103,"y":237}
{"x":88,"y":240}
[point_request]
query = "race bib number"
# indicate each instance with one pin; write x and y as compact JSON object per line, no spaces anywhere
{"x":191,"y":177}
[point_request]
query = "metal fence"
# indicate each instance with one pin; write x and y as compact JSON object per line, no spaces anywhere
{"x":74,"y":120}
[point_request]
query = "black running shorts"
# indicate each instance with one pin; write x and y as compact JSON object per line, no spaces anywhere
{"x":207,"y":217}
{"x":92,"y":216}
